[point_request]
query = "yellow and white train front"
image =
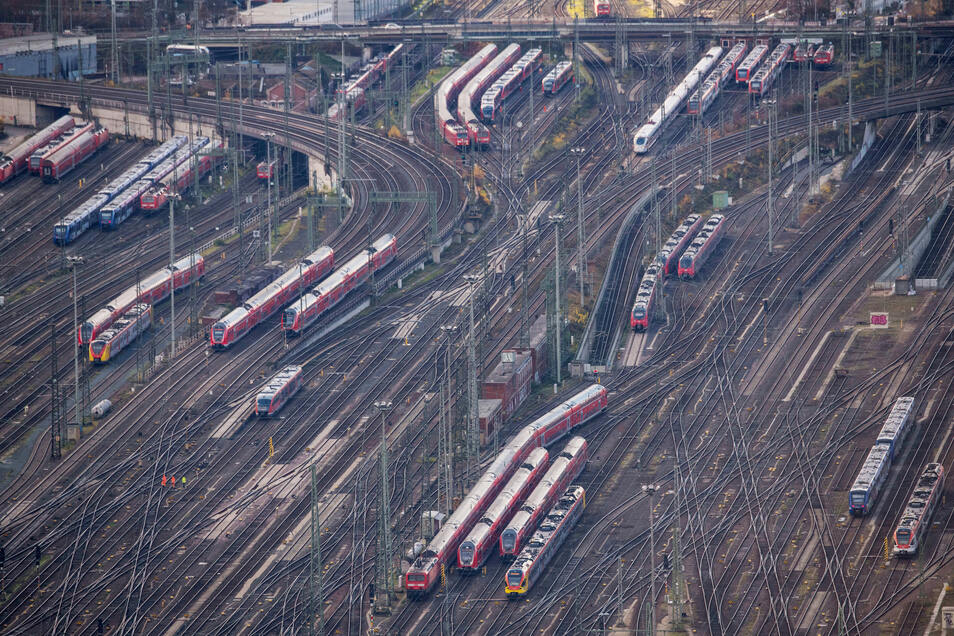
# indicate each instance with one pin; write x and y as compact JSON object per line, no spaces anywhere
{"x":517,"y":579}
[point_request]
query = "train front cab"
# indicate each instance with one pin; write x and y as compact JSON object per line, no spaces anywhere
{"x":858,"y":503}
{"x":515,"y":583}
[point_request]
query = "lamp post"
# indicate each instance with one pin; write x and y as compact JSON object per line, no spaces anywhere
{"x":74,"y":262}
{"x":580,"y":261}
{"x":268,"y":188}
{"x":650,"y":491}
{"x":473,"y":443}
{"x":382,"y":598}
{"x":557,"y":220}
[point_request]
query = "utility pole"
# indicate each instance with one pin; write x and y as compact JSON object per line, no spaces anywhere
{"x":580,"y":234}
{"x":525,"y":305}
{"x":650,"y":491}
{"x":315,"y":569}
{"x":473,"y":425}
{"x":677,"y":584}
{"x":56,"y":424}
{"x":557,"y":220}
{"x":114,"y":53}
{"x":75,"y":261}
{"x":268,"y":188}
{"x":445,"y":456}
{"x":382,"y":597}
{"x":771,"y":159}
{"x":172,"y":288}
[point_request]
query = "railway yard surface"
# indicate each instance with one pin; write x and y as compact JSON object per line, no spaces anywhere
{"x":299,"y":443}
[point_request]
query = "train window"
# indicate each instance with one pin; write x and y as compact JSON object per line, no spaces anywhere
{"x":514,"y":577}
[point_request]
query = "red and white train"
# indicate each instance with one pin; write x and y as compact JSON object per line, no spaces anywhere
{"x":271,"y":298}
{"x":312,"y":305}
{"x":481,"y":540}
{"x":36,"y":159}
{"x":642,"y":312}
{"x":479,"y":134}
{"x":702,"y":98}
{"x":765,"y":76}
{"x":354,"y":91}
{"x":803,"y":52}
{"x":17,"y":160}
{"x":508,"y":83}
{"x":424,"y":574}
{"x":153,"y":289}
{"x":602,"y":8}
{"x":909,"y":534}
{"x":450,"y":88}
{"x":180,"y":179}
{"x":565,"y":468}
{"x":680,"y":238}
{"x":122,"y":333}
{"x":748,"y":67}
{"x":824,"y":55}
{"x":545,"y":542}
{"x":277,"y":391}
{"x":57,"y":165}
{"x":701,"y":247}
{"x":264,"y":169}
{"x":557,"y":78}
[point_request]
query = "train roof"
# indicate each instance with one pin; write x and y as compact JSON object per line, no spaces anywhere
{"x":91,"y":205}
{"x":548,"y":528}
{"x":507,"y":496}
{"x":875,"y":461}
{"x":754,"y":56}
{"x":556,"y":71}
{"x":278,"y":381}
{"x":467,"y":93}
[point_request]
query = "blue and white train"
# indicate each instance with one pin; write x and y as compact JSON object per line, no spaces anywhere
{"x":70,"y":227}
{"x":887,"y":446}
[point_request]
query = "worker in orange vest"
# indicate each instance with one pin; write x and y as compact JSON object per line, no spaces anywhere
{"x":163,"y":481}
{"x":173,"y":481}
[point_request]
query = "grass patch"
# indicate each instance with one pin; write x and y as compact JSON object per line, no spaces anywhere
{"x":568,"y":124}
{"x":434,"y":76}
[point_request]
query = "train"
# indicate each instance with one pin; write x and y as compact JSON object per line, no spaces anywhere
{"x":121,"y":333}
{"x":57,"y":165}
{"x":824,"y":55}
{"x":480,"y":542}
{"x":677,"y":242}
{"x":277,"y":391}
{"x":16,"y":161}
{"x":153,"y":289}
{"x":478,"y":134}
{"x":566,"y":467}
{"x":649,"y":132}
{"x":508,"y":83}
{"x":909,"y":534}
{"x":70,"y":227}
{"x":557,"y":78}
{"x":313,"y":304}
{"x":701,"y":247}
{"x":453,"y":133}
{"x":803,"y":52}
{"x":867,"y":485}
{"x":545,"y":542}
{"x":762,"y":80}
{"x":55,"y":144}
{"x":354,"y":91}
{"x":602,"y":8}
{"x":266,"y":169}
{"x":747,"y":68}
{"x":702,"y":98}
{"x":178,"y":179}
{"x":641,"y":315}
{"x":268,"y":300}
{"x":424,"y":573}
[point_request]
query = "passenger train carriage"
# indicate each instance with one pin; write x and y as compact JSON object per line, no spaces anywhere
{"x":763,"y":79}
{"x":649,"y":132}
{"x":424,"y":574}
{"x":701,"y":247}
{"x":152,"y":289}
{"x":824,"y":55}
{"x":641,"y":315}
{"x":896,"y":426}
{"x":55,"y":145}
{"x":747,"y":68}
{"x":916,"y":517}
{"x":480,"y":542}
{"x":475,"y":88}
{"x":122,"y":333}
{"x":17,"y":160}
{"x":602,"y":8}
{"x":706,"y":93}
{"x":557,"y":78}
{"x":60,"y":163}
{"x":677,"y":242}
{"x":277,"y":391}
{"x":271,"y":298}
{"x":509,"y":83}
{"x":545,"y":542}
{"x":313,"y":304}
{"x":447,"y":92}
{"x":563,"y":470}
{"x":887,"y":447}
